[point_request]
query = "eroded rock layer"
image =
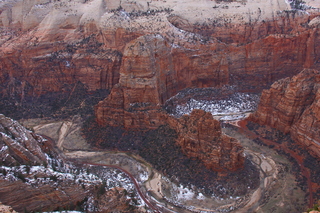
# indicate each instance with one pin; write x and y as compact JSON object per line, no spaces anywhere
{"x":146,"y":79}
{"x":200,"y":137}
{"x":292,"y":106}
{"x":47,"y":46}
{"x":18,"y":145}
{"x":145,"y":52}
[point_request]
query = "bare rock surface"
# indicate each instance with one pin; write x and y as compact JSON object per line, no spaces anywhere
{"x":6,"y":209}
{"x":134,"y":103}
{"x":200,"y":137}
{"x":19,"y":145}
{"x":48,"y":46}
{"x":292,"y":106}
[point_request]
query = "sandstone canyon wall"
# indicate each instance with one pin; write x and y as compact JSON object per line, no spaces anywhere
{"x":145,"y":52}
{"x":292,"y":106}
{"x":47,"y":46}
{"x":200,"y":137}
{"x":147,"y":76}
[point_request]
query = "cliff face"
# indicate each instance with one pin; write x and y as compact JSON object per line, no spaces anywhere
{"x":35,"y":177}
{"x":144,"y":82}
{"x":145,"y":52}
{"x":292,"y":106}
{"x":200,"y":137}
{"x":18,"y":145}
{"x":47,"y":46}
{"x":147,"y":79}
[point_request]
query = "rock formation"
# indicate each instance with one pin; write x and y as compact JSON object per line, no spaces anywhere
{"x":35,"y":177}
{"x":292,"y":106}
{"x":147,"y":76}
{"x":18,"y":145}
{"x":145,"y":52}
{"x":47,"y":46}
{"x":6,"y":209}
{"x":200,"y":137}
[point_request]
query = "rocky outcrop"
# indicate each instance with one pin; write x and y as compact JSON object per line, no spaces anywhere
{"x":135,"y":103}
{"x":36,"y":177}
{"x":41,"y":198}
{"x":6,"y":209}
{"x":18,"y":145}
{"x":145,"y":78}
{"x":200,"y":137}
{"x":292,"y":106}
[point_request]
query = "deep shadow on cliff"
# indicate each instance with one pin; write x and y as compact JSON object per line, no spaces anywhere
{"x":74,"y":100}
{"x":292,"y":106}
{"x":289,"y":110}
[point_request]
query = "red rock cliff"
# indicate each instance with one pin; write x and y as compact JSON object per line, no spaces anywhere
{"x":48,"y":46}
{"x":200,"y":137}
{"x":292,"y":106}
{"x":146,"y":78}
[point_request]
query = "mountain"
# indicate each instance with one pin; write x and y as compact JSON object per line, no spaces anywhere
{"x":49,"y":46}
{"x":121,"y":61}
{"x":292,"y":106}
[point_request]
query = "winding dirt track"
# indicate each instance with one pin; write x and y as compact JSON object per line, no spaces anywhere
{"x":254,"y":198}
{"x":151,"y":206}
{"x":242,"y":125}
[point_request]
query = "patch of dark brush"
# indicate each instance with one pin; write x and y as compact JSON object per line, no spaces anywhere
{"x":76,"y":101}
{"x":159,"y":148}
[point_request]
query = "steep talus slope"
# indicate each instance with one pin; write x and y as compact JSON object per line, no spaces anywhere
{"x":292,"y":106}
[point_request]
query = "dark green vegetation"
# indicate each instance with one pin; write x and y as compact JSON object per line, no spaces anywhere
{"x":159,"y":148}
{"x":75,"y":100}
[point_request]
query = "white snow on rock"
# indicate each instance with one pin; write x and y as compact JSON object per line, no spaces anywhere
{"x":233,"y":107}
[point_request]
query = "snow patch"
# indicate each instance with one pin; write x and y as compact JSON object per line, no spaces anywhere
{"x":234,"y":107}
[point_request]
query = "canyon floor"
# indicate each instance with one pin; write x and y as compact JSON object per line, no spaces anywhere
{"x":278,"y":190}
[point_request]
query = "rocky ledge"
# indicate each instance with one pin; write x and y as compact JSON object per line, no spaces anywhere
{"x":135,"y":104}
{"x":18,"y":145}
